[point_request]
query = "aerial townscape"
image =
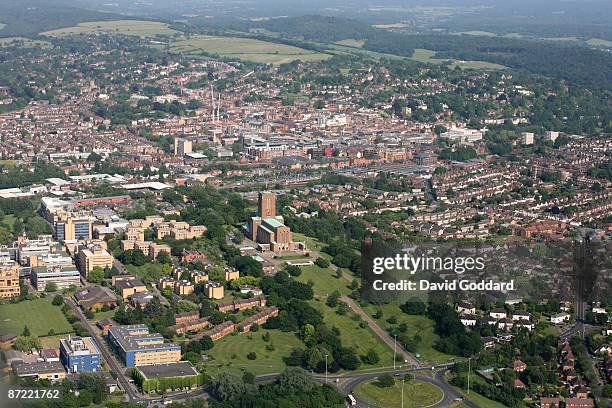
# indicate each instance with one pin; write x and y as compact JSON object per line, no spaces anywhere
{"x":193,"y":193}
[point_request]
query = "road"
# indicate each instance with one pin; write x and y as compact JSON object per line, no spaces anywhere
{"x":346,"y":384}
{"x":109,"y":357}
{"x":384,"y":336}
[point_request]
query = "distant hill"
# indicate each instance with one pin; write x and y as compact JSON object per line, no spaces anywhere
{"x":318,"y":28}
{"x":30,"y":17}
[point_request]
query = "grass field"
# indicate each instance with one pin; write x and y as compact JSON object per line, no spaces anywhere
{"x":325,"y":281}
{"x":38,"y":314}
{"x":230,"y":352}
{"x":22,"y":42}
{"x":351,"y":43}
{"x":598,"y":42}
{"x":428,"y":57}
{"x":245,"y":49}
{"x":478,"y":399}
{"x":416,"y":394}
{"x":360,"y":339}
{"x":124,"y":27}
{"x":420,"y":325}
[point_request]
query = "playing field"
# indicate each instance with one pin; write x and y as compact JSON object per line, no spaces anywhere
{"x":230,"y":353}
{"x":39,"y":315}
{"x":416,"y":394}
{"x":245,"y":49}
{"x":124,"y":27}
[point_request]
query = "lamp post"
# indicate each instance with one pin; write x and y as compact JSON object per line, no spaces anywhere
{"x":394,"y":349}
{"x":326,"y":369}
{"x":469,"y":370}
{"x":403,"y":380}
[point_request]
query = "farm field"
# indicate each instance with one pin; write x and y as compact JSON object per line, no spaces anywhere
{"x":230,"y":352}
{"x":125,"y":27}
{"x":245,"y":49}
{"x":38,"y":314}
{"x":598,"y":42}
{"x":428,"y":57}
{"x":351,"y":43}
{"x":416,"y":394}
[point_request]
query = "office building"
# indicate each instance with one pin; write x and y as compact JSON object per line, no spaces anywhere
{"x":62,"y":276}
{"x":80,"y":355}
{"x":138,"y":347}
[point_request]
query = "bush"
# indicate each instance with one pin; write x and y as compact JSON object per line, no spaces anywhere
{"x":385,"y":381}
{"x":58,"y":300}
{"x":252,"y":355}
{"x":322,"y":263}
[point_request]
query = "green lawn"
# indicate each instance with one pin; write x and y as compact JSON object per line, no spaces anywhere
{"x":325,"y":281}
{"x":421,"y":325}
{"x":123,"y":27}
{"x":149,"y":272}
{"x":416,"y":394}
{"x":230,"y":352}
{"x":39,"y":315}
{"x":478,"y":399}
{"x":103,"y":315}
{"x":311,"y":243}
{"x":352,"y":335}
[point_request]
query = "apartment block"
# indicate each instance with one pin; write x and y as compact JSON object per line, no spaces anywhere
{"x":9,"y":280}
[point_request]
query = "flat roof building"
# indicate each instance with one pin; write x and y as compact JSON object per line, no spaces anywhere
{"x":80,"y":354}
{"x":138,"y":347}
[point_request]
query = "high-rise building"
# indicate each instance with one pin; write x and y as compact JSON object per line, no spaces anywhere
{"x":9,"y":280}
{"x":182,"y":146}
{"x":267,"y":204}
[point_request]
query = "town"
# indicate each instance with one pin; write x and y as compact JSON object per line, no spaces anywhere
{"x":191,"y":231}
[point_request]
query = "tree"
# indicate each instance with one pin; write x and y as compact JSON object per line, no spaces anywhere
{"x":252,"y":355}
{"x":322,"y":263}
{"x":26,"y":331}
{"x":58,"y":300}
{"x":294,"y":379}
{"x":227,"y":387}
{"x":96,"y":275}
{"x":332,"y":300}
{"x":164,"y":258}
{"x":51,"y":287}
